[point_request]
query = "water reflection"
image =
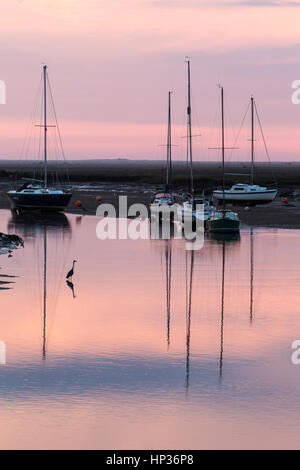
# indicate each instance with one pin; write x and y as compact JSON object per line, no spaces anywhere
{"x":251,"y":274}
{"x":189,"y":270}
{"x":168,"y":263}
{"x":71,"y":286}
{"x":8,"y":244}
{"x":153,"y":332}
{"x":37,"y":228}
{"x":222,"y":307}
{"x":4,"y":285}
{"x":45,"y":289}
{"x":30,"y":225}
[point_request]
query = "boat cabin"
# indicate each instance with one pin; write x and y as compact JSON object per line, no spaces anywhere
{"x":246,"y":188}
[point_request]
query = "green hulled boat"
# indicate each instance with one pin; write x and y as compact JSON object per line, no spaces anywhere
{"x":224,"y":221}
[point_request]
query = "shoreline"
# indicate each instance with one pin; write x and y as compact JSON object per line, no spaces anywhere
{"x":273,"y":215}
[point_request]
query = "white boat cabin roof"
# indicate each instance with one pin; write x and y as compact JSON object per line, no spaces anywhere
{"x":163,"y":195}
{"x":247,"y":187}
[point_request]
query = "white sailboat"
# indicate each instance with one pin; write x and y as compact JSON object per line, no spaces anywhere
{"x":251,"y":194}
{"x":223,"y":220}
{"x":194,"y":207}
{"x":162,"y":202}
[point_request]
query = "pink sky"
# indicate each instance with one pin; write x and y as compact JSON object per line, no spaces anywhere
{"x":111,"y":65}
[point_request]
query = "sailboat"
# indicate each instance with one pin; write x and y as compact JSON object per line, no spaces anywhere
{"x":195,"y":207}
{"x":248,"y":193}
{"x":223,"y":220}
{"x":162,"y":200}
{"x":40,"y":196}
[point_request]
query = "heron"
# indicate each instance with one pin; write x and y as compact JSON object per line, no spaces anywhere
{"x":71,"y":272}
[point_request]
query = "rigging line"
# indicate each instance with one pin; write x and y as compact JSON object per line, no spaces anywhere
{"x":241,"y":126}
{"x":198,"y":127}
{"x":263,"y":138}
{"x":214,"y":128}
{"x":58,"y":129}
{"x":40,"y":132}
{"x":55,"y":117}
{"x":228,"y":128}
{"x":30,"y":121}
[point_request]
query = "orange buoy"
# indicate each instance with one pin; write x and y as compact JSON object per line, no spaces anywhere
{"x":284,"y":200}
{"x":78,"y":204}
{"x":98,"y":198}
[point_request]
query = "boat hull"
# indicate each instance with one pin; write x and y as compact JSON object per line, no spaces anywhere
{"x":258,"y":197}
{"x":186,"y":212}
{"x":40,"y":202}
{"x":223,"y":225}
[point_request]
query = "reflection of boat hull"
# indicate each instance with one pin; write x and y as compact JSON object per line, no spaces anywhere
{"x":43,"y":202}
{"x":224,"y":237}
{"x":257,"y":197}
{"x":29,"y":219}
{"x":223,"y":223}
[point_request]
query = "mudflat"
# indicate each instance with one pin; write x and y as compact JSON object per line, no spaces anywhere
{"x":140,"y":180}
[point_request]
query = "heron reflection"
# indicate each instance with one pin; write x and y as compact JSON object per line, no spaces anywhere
{"x":39,"y":231}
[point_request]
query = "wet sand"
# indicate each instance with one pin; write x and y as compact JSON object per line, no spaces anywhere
{"x":276,"y":214}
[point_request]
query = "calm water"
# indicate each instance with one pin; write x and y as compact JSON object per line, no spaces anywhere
{"x":154,"y":347}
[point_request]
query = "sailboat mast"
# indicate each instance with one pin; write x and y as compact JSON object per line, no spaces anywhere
{"x":189,"y":121}
{"x":45,"y":125}
{"x":169,"y":148}
{"x":223,"y":145}
{"x":252,"y":140}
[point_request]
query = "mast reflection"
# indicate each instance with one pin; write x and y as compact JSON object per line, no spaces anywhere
{"x":189,"y":269}
{"x":223,"y":239}
{"x":168,"y":263}
{"x":222,"y":309}
{"x":39,"y":230}
{"x":251,"y":274}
